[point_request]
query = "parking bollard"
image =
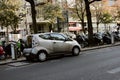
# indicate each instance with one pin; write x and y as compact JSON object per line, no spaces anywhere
{"x":112,"y":38}
{"x":13,"y":52}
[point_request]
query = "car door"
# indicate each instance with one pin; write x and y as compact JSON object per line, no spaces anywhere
{"x":45,"y":42}
{"x":59,"y":44}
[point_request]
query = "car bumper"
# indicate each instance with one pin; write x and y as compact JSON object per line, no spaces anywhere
{"x":30,"y":55}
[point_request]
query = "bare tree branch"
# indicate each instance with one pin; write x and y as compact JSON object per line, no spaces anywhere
{"x":93,"y":1}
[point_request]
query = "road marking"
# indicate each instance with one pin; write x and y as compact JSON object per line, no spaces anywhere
{"x":113,"y":71}
{"x":55,"y":60}
{"x":10,"y":68}
{"x":17,"y":64}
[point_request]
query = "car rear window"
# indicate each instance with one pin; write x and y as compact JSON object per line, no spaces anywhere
{"x":45,"y":36}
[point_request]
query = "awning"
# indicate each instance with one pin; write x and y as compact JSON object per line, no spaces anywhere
{"x":75,"y":28}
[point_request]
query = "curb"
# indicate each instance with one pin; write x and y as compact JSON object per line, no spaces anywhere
{"x":99,"y":47}
{"x":4,"y":62}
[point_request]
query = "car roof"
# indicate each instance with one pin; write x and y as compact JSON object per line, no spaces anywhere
{"x":47,"y":33}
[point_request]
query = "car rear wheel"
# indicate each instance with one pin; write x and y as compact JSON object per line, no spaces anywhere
{"x":2,"y":57}
{"x":75,"y":51}
{"x":28,"y":58}
{"x":42,"y":56}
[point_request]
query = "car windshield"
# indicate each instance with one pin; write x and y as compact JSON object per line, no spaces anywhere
{"x":66,"y":36}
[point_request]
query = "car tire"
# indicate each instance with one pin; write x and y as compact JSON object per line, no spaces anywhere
{"x":75,"y":51}
{"x":2,"y":57}
{"x":82,"y":45}
{"x":18,"y":54}
{"x":28,"y":58}
{"x":42,"y":56}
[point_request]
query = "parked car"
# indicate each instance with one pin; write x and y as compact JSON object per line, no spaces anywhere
{"x":71,"y":35}
{"x":45,"y":44}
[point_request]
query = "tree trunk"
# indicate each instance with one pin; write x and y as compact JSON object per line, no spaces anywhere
{"x":52,"y":29}
{"x":33,"y":12}
{"x":7,"y":35}
{"x":97,"y":27}
{"x":83,"y":26}
{"x":58,"y":25}
{"x":89,"y":21}
{"x":105,"y":27}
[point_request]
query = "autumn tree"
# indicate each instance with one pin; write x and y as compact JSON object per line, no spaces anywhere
{"x":106,"y":18}
{"x":51,"y":12}
{"x":97,"y":12}
{"x":79,"y":12}
{"x":8,"y":17}
{"x":117,"y":10}
{"x":116,"y":14}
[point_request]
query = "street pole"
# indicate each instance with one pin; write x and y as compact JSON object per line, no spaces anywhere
{"x":112,"y":38}
{"x":13,"y":54}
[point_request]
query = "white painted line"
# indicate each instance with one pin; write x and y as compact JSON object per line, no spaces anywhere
{"x":10,"y":68}
{"x":113,"y":71}
{"x":55,"y":60}
{"x":17,"y":64}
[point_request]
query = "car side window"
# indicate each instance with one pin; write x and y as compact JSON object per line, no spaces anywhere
{"x":57,"y":37}
{"x":45,"y":36}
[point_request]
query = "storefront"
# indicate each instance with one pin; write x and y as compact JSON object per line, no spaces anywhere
{"x":75,"y":27}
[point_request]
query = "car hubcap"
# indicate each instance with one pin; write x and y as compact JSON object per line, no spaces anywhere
{"x":42,"y":56}
{"x":76,"y":51}
{"x":2,"y":57}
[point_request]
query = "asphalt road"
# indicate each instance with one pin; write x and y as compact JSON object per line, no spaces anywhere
{"x":99,"y":64}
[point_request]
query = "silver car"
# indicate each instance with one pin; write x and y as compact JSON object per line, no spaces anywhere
{"x":45,"y":44}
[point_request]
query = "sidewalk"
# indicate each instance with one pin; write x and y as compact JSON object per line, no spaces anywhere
{"x":6,"y":61}
{"x":3,"y":62}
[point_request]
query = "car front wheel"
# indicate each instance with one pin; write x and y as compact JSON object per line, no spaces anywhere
{"x":75,"y":51}
{"x":42,"y":56}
